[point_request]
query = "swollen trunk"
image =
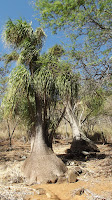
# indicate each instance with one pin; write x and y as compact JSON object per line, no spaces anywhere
{"x":42,"y":165}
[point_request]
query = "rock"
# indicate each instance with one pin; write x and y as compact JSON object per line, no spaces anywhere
{"x":78,"y":191}
{"x":18,"y":179}
{"x":48,"y":195}
{"x":78,"y":170}
{"x":85,"y":153}
{"x":72,"y":176}
{"x":40,"y":191}
{"x":23,"y":157}
{"x":61,"y":179}
{"x":54,"y":180}
{"x":84,"y":144}
{"x":70,"y":163}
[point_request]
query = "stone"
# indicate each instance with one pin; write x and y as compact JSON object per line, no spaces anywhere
{"x":79,"y":191}
{"x":54,"y":180}
{"x":48,"y":195}
{"x":40,"y":191}
{"x":78,"y":170}
{"x":61,"y":179}
{"x":72,"y":176}
{"x":85,"y":153}
{"x":23,"y":157}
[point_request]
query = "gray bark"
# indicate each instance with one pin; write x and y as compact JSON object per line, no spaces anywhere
{"x":80,"y":141}
{"x":42,"y":165}
{"x":73,"y":122}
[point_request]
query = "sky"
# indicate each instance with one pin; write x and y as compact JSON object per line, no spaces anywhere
{"x":15,"y":9}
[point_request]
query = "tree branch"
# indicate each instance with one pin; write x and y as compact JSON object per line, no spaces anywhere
{"x":96,"y":22}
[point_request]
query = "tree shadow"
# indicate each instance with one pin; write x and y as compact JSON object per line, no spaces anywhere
{"x":83,"y":152}
{"x":18,"y":152}
{"x":70,"y":157}
{"x":84,"y":156}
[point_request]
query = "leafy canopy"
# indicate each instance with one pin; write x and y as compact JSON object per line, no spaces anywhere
{"x":26,"y":45}
{"x":89,"y":18}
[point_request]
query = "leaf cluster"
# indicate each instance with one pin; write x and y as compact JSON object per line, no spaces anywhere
{"x":16,"y":32}
{"x":20,"y":35}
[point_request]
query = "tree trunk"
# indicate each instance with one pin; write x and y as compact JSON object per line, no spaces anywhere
{"x":80,"y":141}
{"x":42,"y":165}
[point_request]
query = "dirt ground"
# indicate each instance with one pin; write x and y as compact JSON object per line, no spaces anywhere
{"x":94,"y":180}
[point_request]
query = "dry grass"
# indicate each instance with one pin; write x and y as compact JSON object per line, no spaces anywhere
{"x":18,"y":133}
{"x":63,"y":131}
{"x":106,"y":129}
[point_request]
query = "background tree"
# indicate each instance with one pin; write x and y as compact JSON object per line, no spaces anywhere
{"x":70,"y":92}
{"x":90,"y":18}
{"x":3,"y":85}
{"x":29,"y":83}
{"x":88,"y":25}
